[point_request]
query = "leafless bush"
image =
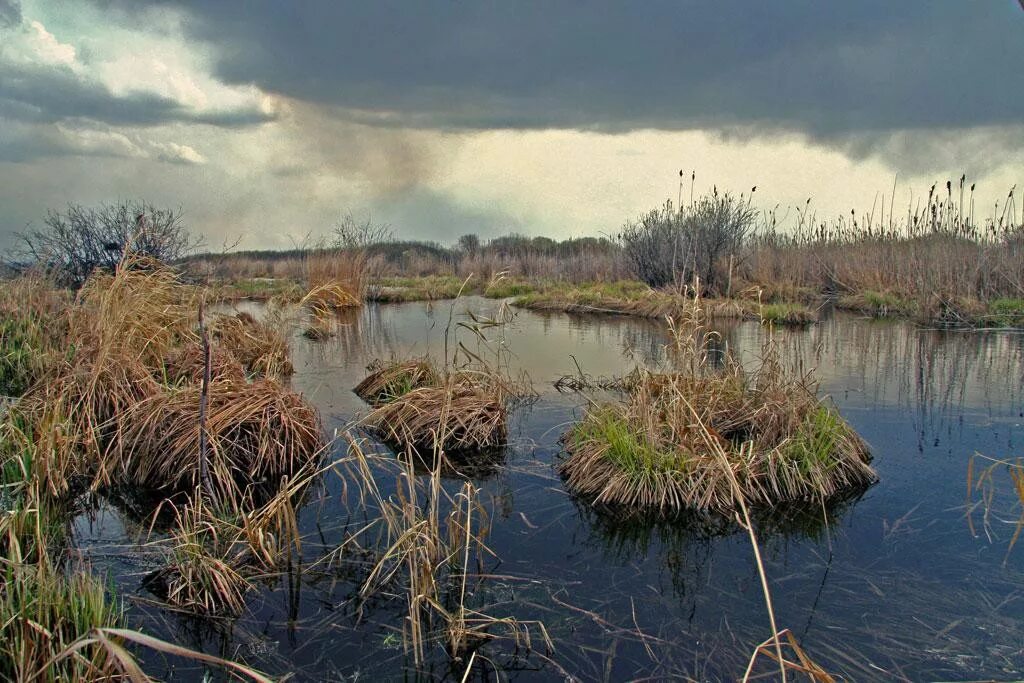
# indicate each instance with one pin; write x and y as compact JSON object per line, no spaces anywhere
{"x":353,"y":233}
{"x":75,"y":242}
{"x":665,"y":246}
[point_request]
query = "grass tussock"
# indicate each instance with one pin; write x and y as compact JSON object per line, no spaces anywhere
{"x":679,"y":439}
{"x":388,"y":381}
{"x":788,"y":314}
{"x":131,"y":360}
{"x":256,"y":430}
{"x":261,"y":349}
{"x":452,"y":417}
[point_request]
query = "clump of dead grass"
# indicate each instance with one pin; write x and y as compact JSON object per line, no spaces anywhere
{"x":452,"y":417}
{"x":260,"y":348}
{"x":388,"y":381}
{"x":256,"y":430}
{"x":678,"y":439}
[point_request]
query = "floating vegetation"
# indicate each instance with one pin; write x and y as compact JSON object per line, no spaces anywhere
{"x":678,"y":439}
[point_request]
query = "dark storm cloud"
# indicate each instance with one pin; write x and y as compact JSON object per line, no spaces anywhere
{"x":825,"y":69}
{"x":48,"y":94}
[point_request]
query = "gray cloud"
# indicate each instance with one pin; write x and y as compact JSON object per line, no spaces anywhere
{"x":48,"y":94}
{"x":823,"y":69}
{"x":10,"y":13}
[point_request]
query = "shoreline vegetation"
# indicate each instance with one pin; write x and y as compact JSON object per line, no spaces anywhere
{"x":934,"y":263}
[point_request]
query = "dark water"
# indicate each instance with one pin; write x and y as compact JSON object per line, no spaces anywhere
{"x":893,"y":586}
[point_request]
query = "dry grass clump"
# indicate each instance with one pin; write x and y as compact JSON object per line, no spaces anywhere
{"x":677,"y":440}
{"x":187,"y":364}
{"x":260,"y":348}
{"x":450,"y":418}
{"x":256,"y":430}
{"x":131,"y":359}
{"x":388,"y":381}
{"x":200,"y":574}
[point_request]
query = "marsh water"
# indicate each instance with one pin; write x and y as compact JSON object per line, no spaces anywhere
{"x":909,"y":580}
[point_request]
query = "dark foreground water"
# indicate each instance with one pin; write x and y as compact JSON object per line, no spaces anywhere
{"x":898,"y":584}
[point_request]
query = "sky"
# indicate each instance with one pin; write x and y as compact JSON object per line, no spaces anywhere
{"x":265,"y":122}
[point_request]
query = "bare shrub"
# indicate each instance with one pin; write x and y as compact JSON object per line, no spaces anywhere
{"x":665,"y":246}
{"x":75,"y":242}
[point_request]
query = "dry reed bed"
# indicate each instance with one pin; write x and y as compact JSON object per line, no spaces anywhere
{"x":127,"y":393}
{"x":256,"y":431}
{"x":677,"y":440}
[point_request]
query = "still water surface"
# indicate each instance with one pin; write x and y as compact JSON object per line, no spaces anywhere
{"x":894,"y":586}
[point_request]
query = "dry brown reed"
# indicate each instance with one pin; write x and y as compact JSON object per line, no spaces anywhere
{"x":200,"y":572}
{"x":452,"y":417}
{"x":431,"y":537}
{"x":130,"y":361}
{"x":260,"y":348}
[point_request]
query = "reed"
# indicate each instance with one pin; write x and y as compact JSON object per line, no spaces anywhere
{"x":430,"y":538}
{"x":450,"y":418}
{"x":200,"y":574}
{"x":261,"y":349}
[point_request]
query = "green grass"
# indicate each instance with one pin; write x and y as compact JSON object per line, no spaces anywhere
{"x":1007,"y":312}
{"x":787,"y":314}
{"x":42,"y":612}
{"x":624,"y":447}
{"x":814,"y":446}
{"x":430,"y":288}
